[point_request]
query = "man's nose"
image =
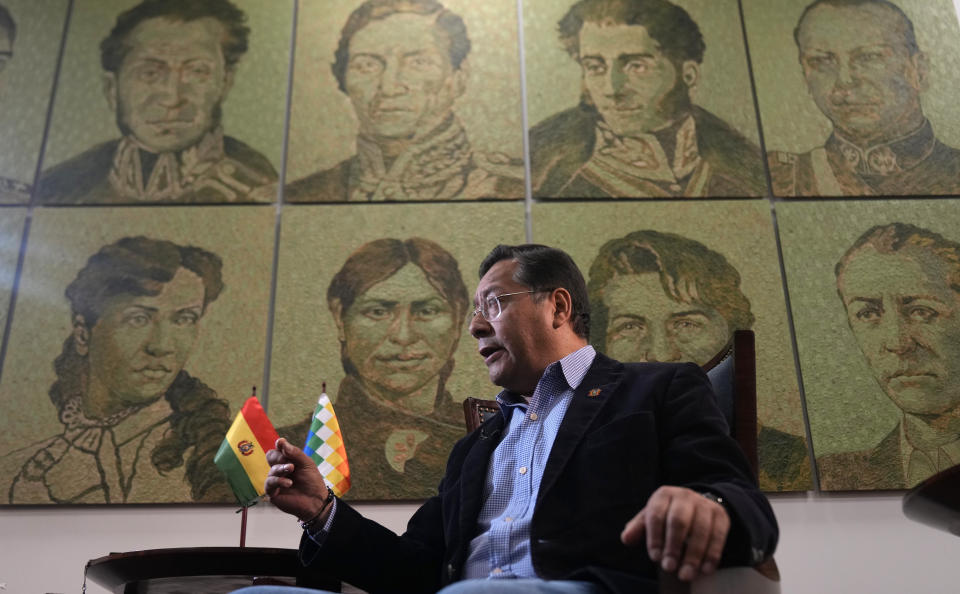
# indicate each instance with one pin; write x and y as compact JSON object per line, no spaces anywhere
{"x":392,"y":80}
{"x":171,"y":88}
{"x":897,"y":335}
{"x":479,"y":326}
{"x":847,"y":74}
{"x":662,"y":348}
{"x":613,"y":81}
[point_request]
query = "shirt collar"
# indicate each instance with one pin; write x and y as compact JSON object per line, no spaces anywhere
{"x":574,"y":368}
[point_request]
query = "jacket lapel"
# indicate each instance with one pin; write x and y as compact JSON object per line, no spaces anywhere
{"x":600,"y":383}
{"x":475,"y":472}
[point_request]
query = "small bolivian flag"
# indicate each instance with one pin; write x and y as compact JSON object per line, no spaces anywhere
{"x":243,"y":454}
{"x":325,"y":446}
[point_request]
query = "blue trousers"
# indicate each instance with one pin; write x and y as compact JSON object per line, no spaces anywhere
{"x":522,"y":586}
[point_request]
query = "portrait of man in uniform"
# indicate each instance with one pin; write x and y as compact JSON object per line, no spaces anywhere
{"x":136,"y":427}
{"x":867,"y":74}
{"x":399,"y":307}
{"x":403,"y":64}
{"x":168,"y":66}
{"x":659,"y":296}
{"x":899,"y":287}
{"x":637,"y":132}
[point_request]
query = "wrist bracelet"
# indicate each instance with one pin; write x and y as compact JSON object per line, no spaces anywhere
{"x":307,"y":525}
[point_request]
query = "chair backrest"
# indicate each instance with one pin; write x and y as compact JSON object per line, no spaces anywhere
{"x":733,"y":375}
{"x":476,"y":411}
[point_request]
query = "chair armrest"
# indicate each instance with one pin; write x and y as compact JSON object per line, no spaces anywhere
{"x":761,"y":579}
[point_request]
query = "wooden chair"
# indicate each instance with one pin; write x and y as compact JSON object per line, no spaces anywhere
{"x":733,"y":375}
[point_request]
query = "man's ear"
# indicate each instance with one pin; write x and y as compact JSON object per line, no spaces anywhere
{"x":229,"y":75}
{"x":458,"y":79}
{"x":109,"y":81}
{"x":690,"y":71}
{"x":81,"y":335}
{"x":336,"y":308}
{"x":562,"y":307}
{"x":922,"y":66}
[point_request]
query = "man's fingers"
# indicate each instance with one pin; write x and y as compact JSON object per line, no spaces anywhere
{"x":701,"y":531}
{"x":275,"y":483}
{"x":718,"y":538}
{"x":632,"y":534}
{"x":655,"y":517}
{"x":678,"y":520}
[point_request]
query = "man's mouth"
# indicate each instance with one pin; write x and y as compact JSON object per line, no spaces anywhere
{"x":404,"y":360}
{"x":171,"y":124}
{"x":909,"y":376}
{"x":490,"y":353}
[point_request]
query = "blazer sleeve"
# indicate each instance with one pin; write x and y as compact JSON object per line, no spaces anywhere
{"x":374,"y":558}
{"x":698,"y":453}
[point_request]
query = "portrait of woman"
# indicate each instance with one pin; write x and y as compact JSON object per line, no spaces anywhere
{"x":399,"y":308}
{"x":136,"y":425}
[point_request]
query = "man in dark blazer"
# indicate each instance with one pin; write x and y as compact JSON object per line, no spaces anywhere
{"x":595,"y":472}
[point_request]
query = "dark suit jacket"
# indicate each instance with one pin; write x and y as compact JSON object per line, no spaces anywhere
{"x":630,"y":429}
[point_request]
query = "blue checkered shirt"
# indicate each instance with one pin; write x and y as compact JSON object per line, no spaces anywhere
{"x":501,"y":548}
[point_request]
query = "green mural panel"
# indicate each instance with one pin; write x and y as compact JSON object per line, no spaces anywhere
{"x":878,"y":345}
{"x":848,"y":115}
{"x":125,"y":334}
{"x":202,"y":121}
{"x":674,"y":120}
{"x":402,"y":328}
{"x":716,"y":281}
{"x":429,"y":106}
{"x":27,"y":64}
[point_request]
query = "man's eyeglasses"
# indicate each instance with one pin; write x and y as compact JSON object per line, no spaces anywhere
{"x":490,"y":307}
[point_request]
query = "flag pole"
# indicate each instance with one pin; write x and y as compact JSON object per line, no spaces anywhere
{"x":243,"y":510}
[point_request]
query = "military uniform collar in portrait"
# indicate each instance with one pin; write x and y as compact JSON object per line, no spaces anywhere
{"x":574,"y":154}
{"x":438,"y":165}
{"x":916,"y":163}
{"x":217,"y":169}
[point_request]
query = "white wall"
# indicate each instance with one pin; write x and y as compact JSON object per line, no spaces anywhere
{"x":828,"y":544}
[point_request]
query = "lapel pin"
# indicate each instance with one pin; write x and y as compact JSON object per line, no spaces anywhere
{"x":594,"y":393}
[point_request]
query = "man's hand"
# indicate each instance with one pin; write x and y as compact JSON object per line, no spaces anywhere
{"x":680,"y":522}
{"x":294,"y":484}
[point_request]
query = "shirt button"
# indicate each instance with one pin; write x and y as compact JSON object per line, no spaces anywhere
{"x":523,"y":470}
{"x":533,"y":416}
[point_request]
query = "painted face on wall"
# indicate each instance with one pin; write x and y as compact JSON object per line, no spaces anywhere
{"x":634,"y":86}
{"x":170,"y":85}
{"x":399,"y":77}
{"x":860,"y":72}
{"x":399,"y":333}
{"x":140,"y":343}
{"x":645,"y":324}
{"x":906,"y":319}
